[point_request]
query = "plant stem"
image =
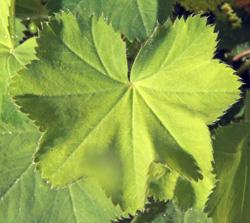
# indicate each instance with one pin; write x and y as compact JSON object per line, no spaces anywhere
{"x":243,"y":54}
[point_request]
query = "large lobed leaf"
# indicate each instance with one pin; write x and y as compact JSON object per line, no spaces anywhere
{"x":24,"y":197}
{"x":93,"y":109}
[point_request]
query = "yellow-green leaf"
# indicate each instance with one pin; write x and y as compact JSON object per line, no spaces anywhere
{"x":93,"y":109}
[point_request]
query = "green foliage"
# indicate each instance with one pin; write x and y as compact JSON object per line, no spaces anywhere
{"x":200,"y":5}
{"x":77,"y":91}
{"x":165,"y":9}
{"x":5,"y":37}
{"x":12,"y":59}
{"x":233,"y":30}
{"x":171,"y":214}
{"x":247,"y":108}
{"x":24,"y":197}
{"x":19,"y":31}
{"x":135,"y":19}
{"x":230,"y":199}
{"x":123,"y":93}
{"x":31,"y":9}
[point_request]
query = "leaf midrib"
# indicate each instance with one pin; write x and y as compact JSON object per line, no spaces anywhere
{"x":163,"y":125}
{"x":169,"y":53}
{"x":99,"y":122}
{"x":189,"y":92}
{"x":82,"y":94}
{"x":82,"y":59}
{"x":12,"y":185}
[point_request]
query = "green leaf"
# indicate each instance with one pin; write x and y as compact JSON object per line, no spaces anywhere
{"x":80,"y":91}
{"x":31,"y":9}
{"x":134,"y":18}
{"x":162,"y":182}
{"x":165,"y":184}
{"x":12,"y":59}
{"x":198,"y":6}
{"x":230,"y":200}
{"x":191,"y":216}
{"x":19,"y":31}
{"x":5,"y":37}
{"x":172,"y":214}
{"x":247,"y":108}
{"x":165,"y":9}
{"x":195,"y":216}
{"x":202,"y":93}
{"x":25,"y":198}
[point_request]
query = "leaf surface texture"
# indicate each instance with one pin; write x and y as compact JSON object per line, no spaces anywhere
{"x":93,"y":109}
{"x":133,"y":18}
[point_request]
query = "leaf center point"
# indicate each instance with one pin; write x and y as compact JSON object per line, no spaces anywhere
{"x":131,"y":85}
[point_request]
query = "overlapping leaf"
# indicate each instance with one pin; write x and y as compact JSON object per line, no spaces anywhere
{"x":247,"y":108}
{"x":5,"y":38}
{"x":199,"y":6}
{"x":31,"y":9}
{"x":12,"y":59}
{"x":231,"y":196}
{"x":80,"y":93}
{"x":171,"y":214}
{"x":176,"y":216}
{"x":134,"y":18}
{"x":166,"y":184}
{"x":25,"y":198}
{"x":165,"y":9}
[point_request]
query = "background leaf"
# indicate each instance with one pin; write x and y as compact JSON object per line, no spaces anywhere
{"x":199,"y":6}
{"x":171,"y":214}
{"x":31,"y":9}
{"x":133,"y":18}
{"x":231,"y":145}
{"x":229,"y":201}
{"x":25,"y":198}
{"x":230,"y":197}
